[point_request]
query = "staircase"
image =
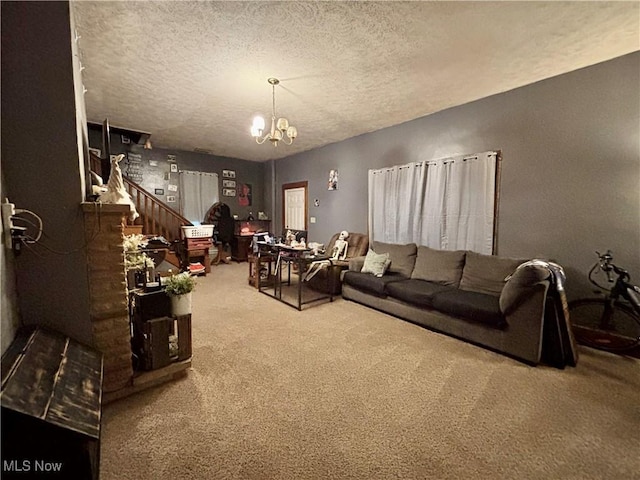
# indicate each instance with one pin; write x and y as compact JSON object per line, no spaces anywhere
{"x":156,"y":217}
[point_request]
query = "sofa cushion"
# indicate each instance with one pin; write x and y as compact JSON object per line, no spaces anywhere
{"x":478,"y":307}
{"x":370,"y":284}
{"x":486,"y":273}
{"x":439,"y":266}
{"x":403,"y":257}
{"x":416,"y":292}
{"x":376,"y":263}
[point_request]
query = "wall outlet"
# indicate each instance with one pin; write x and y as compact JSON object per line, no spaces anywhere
{"x":8,"y":210}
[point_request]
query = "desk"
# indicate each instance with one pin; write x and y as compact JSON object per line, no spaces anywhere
{"x":293,"y":291}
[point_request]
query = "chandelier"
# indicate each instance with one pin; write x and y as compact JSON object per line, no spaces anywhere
{"x":280,"y":131}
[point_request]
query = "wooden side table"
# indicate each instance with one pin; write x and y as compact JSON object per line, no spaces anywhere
{"x":197,"y":250}
{"x":256,"y":264}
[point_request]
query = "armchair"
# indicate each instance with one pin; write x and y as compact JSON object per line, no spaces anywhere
{"x":358,"y":246}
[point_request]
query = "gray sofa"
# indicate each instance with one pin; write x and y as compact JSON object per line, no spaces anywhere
{"x":459,"y":293}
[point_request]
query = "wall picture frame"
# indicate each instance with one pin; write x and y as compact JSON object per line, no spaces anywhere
{"x":332,"y":184}
{"x":244,"y":194}
{"x":159,"y":191}
{"x":228,"y":174}
{"x":171,"y":199}
{"x":174,"y":168}
{"x":228,"y":192}
{"x":229,"y":183}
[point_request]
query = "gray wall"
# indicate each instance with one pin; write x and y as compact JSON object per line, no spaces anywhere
{"x":570,"y":170}
{"x":153,"y":177}
{"x":43,"y":163}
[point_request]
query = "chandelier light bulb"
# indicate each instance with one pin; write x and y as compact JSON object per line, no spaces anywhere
{"x":292,"y":132}
{"x":257,"y":127}
{"x":283,"y":124}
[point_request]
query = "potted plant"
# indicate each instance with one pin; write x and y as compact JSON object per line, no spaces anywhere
{"x":179,"y":288}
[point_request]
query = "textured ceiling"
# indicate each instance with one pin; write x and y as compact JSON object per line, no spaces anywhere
{"x":195,"y":73}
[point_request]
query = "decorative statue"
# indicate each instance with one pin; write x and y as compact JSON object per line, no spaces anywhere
{"x":290,"y":237}
{"x":116,"y":191}
{"x":339,"y":251}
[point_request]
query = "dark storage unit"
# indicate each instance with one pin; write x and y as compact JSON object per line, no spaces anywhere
{"x":51,"y":407}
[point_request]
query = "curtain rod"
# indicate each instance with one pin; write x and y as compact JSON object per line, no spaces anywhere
{"x":444,"y":161}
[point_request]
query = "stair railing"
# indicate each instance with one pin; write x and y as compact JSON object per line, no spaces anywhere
{"x":156,"y":217}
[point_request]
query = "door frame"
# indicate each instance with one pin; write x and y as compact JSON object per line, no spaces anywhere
{"x":289,"y":186}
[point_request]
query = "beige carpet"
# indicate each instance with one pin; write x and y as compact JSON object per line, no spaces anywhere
{"x":340,"y":391}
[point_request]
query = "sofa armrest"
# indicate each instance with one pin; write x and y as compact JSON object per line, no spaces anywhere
{"x":356,"y":263}
{"x":521,"y":285}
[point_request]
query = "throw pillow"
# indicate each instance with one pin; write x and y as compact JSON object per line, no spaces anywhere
{"x":376,"y":264}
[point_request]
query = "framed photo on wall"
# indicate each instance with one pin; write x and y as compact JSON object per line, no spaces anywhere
{"x":229,"y":183}
{"x":174,"y":168}
{"x":228,"y":192}
{"x":171,"y":199}
{"x":333,"y":180}
{"x":228,"y":174}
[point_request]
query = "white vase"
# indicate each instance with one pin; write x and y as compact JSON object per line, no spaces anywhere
{"x":181,"y":304}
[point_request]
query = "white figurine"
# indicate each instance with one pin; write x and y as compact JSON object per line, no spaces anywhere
{"x":116,"y":191}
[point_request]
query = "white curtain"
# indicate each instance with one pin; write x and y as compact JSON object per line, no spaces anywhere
{"x":198,"y":191}
{"x":395,"y":198}
{"x":446,"y":204}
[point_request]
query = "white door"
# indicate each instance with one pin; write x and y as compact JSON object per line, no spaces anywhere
{"x":294,"y":201}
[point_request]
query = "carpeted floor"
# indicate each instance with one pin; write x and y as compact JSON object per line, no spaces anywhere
{"x":340,"y":391}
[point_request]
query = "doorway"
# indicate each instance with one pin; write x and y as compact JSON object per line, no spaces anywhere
{"x":294,"y":206}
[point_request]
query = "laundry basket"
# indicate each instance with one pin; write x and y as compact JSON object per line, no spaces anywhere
{"x":197,"y":231}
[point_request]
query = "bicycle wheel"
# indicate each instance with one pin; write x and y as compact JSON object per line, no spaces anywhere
{"x":622,"y":331}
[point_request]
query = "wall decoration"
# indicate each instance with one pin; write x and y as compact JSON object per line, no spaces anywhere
{"x":228,"y":174}
{"x":153,"y":163}
{"x":172,"y":188}
{"x":159,"y":191}
{"x":171,"y":199}
{"x":333,"y":180}
{"x":134,"y":167}
{"x":229,"y":183}
{"x":228,"y":192}
{"x":174,"y":168}
{"x":171,"y":158}
{"x":244,"y":195}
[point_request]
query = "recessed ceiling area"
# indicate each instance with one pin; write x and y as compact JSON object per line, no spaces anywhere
{"x":194,"y":74}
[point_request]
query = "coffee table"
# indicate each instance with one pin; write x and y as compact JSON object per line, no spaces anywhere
{"x":292,"y":291}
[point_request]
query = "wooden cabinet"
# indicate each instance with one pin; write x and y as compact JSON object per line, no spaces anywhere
{"x":243,"y":236}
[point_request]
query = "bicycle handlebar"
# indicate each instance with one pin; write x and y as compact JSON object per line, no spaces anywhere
{"x":605,"y":263}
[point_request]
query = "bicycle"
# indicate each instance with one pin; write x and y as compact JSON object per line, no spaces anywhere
{"x":612,"y":322}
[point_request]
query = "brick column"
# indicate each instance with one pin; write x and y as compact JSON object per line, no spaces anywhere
{"x":108,"y":292}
